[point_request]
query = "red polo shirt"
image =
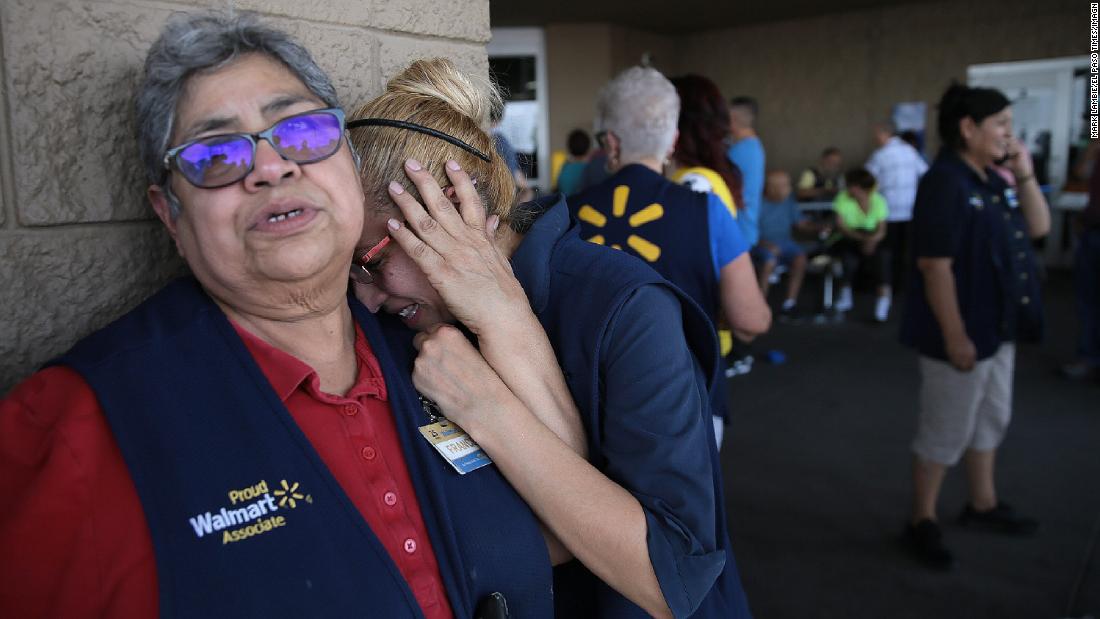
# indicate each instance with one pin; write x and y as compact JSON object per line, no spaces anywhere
{"x":73,"y":535}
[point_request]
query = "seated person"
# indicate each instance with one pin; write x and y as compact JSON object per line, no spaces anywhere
{"x":779,"y":218}
{"x":861,"y":221}
{"x":821,"y":184}
{"x":572,"y":173}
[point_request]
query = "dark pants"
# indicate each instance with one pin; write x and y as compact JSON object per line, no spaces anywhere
{"x":851,"y":257}
{"x":1086,"y":275}
{"x":898,"y":241}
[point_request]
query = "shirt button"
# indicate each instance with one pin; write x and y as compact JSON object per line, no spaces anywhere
{"x":1023,"y":276}
{"x":1021,"y":255}
{"x":1025,"y":300}
{"x":410,"y":545}
{"x":368,"y":453}
{"x":350,"y":410}
{"x":1019,"y":234}
{"x":390,"y":499}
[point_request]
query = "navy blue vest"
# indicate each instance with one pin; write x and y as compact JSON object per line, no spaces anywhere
{"x":661,"y":222}
{"x":245,"y":517}
{"x":587,"y":287}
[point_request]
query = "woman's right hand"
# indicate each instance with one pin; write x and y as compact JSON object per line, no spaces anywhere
{"x":961,"y":353}
{"x":453,"y":245}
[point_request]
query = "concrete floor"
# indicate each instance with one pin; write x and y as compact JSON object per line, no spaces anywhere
{"x":817,"y":481}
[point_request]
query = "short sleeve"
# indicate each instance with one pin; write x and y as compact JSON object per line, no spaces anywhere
{"x":657,"y":428}
{"x":726,"y":241}
{"x":874,"y":165}
{"x":879,"y":210}
{"x":697,"y":182}
{"x":806,"y":180}
{"x":937,"y":215}
{"x":75,"y":540}
{"x":920,"y":163}
{"x":794,"y":214}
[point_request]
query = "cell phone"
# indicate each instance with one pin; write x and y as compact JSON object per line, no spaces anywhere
{"x":492,"y":606}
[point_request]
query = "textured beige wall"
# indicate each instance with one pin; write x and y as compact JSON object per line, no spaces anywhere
{"x":578,"y":62}
{"x":820,"y":81}
{"x":824,"y":80}
{"x":580,"y":58}
{"x":77,"y":243}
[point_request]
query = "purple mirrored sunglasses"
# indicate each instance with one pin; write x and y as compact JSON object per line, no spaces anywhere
{"x":219,"y":160}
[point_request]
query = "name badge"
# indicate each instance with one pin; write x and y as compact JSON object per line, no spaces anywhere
{"x":456,"y":447}
{"x":1011,"y":199}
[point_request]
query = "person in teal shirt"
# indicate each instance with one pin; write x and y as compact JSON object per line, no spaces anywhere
{"x":572,"y":173}
{"x":861,"y":223}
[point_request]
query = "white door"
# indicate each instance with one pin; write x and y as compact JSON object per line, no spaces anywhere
{"x":517,"y":60}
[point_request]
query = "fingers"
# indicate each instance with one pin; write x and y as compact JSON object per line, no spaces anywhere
{"x":436,"y":204}
{"x":469,"y":202}
{"x":421,"y":220}
{"x":435,"y":331}
{"x":425,"y":256}
{"x":491,"y":225}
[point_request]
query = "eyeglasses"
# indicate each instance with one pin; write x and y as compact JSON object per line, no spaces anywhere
{"x":219,"y":160}
{"x":360,"y":265}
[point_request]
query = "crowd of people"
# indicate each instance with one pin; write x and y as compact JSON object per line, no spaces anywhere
{"x":957,"y":233}
{"x":373,"y":382}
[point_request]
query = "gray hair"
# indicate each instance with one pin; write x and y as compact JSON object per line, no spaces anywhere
{"x":641,"y":107}
{"x":192,"y":43}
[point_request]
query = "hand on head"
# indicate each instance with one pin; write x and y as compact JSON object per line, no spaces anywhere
{"x":452,"y":242}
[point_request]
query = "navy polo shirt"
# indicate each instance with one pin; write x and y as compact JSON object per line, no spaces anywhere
{"x":979,"y":224}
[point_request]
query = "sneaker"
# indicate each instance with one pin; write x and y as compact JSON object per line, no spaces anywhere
{"x":1000,"y":519}
{"x":924,"y":541}
{"x":844,"y":303}
{"x":882,"y":308}
{"x":736,"y":367}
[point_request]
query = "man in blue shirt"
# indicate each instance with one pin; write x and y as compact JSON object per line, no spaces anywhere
{"x":747,"y":153}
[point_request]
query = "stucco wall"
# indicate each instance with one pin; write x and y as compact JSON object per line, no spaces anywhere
{"x":581,"y":58}
{"x":78,"y":245}
{"x":823,"y":81}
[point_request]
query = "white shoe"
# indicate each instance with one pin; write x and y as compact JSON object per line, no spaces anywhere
{"x":844,"y":303}
{"x":882,"y":308}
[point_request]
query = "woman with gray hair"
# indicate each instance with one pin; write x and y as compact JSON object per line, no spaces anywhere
{"x":690,"y":238}
{"x":244,"y":443}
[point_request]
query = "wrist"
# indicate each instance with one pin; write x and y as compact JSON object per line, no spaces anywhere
{"x":1020,"y":180}
{"x":955,"y":337}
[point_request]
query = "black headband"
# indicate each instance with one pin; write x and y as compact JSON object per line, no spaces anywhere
{"x":400,"y":124}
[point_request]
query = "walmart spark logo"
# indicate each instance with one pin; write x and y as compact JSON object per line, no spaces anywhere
{"x":289,"y":495}
{"x":252,"y":511}
{"x":646,"y":249}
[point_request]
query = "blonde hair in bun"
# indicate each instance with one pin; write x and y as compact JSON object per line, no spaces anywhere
{"x":433,"y":93}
